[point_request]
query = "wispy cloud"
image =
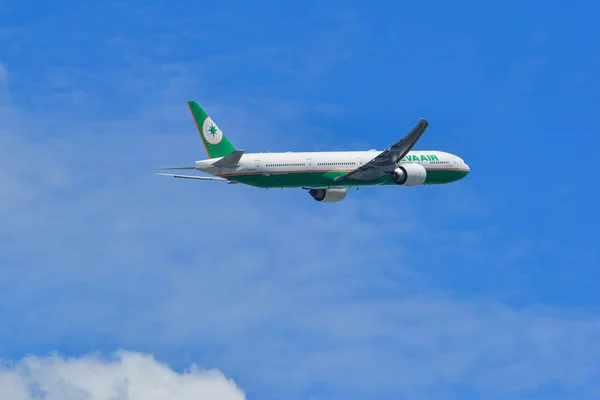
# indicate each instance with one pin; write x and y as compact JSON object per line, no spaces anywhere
{"x":10,"y":31}
{"x":3,"y":75}
{"x":318,"y":296}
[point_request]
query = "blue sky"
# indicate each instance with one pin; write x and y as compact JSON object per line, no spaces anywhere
{"x":486,"y":288}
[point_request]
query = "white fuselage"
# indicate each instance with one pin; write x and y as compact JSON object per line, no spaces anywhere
{"x":298,"y":162}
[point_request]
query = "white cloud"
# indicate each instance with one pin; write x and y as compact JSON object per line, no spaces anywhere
{"x":125,"y":376}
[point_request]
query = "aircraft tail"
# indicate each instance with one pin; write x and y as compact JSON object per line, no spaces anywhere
{"x":215,"y":143}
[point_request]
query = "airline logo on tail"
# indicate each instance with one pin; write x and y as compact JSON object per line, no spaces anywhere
{"x":211,"y":131}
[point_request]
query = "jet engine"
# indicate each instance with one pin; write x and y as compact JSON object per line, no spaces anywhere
{"x":409,"y":175}
{"x":328,"y":195}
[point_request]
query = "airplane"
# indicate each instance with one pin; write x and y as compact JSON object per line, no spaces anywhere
{"x":325,"y":175}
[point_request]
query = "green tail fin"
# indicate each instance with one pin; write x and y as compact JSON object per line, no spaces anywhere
{"x":215,"y":143}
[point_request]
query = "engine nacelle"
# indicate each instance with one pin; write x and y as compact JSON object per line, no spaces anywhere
{"x":328,"y":195}
{"x":409,"y":175}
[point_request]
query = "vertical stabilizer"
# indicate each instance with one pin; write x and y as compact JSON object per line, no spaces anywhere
{"x":215,"y":143}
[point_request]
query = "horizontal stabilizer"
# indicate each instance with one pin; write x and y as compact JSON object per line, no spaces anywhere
{"x":204,"y":178}
{"x":230,"y":161}
{"x":172,"y":168}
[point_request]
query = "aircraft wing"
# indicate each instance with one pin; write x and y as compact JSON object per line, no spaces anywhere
{"x":204,"y":178}
{"x":386,"y":161}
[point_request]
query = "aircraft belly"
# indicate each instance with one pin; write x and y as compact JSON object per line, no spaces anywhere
{"x":298,"y":179}
{"x":438,"y":176}
{"x":319,"y":179}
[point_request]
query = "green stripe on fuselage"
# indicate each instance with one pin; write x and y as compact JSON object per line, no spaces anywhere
{"x":327,"y":179}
